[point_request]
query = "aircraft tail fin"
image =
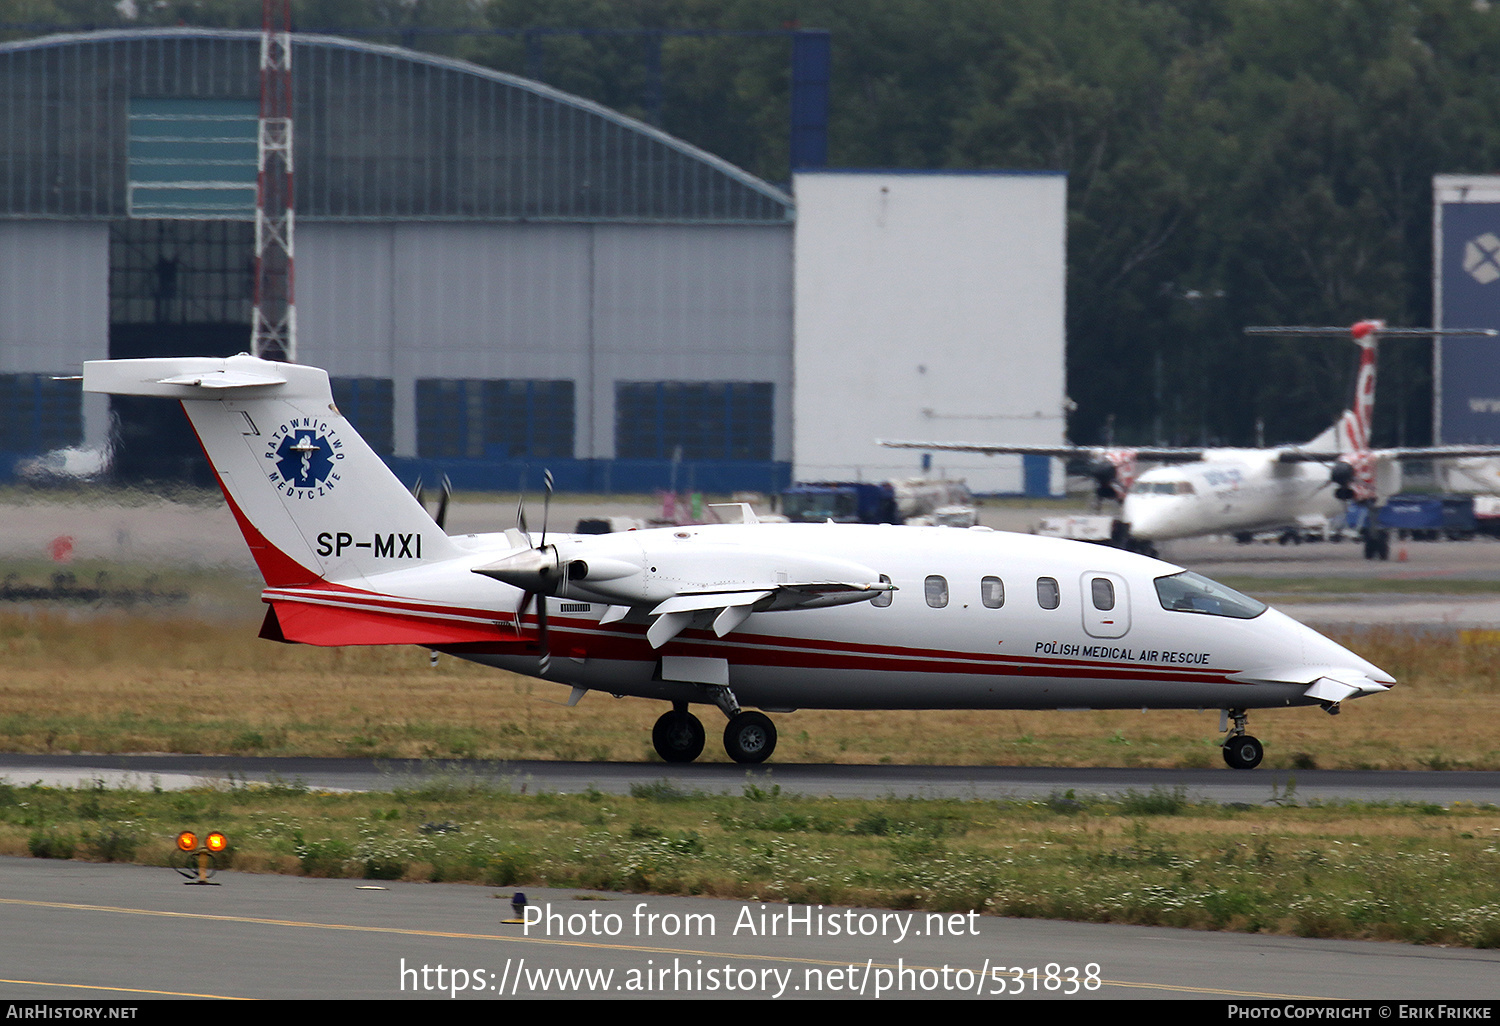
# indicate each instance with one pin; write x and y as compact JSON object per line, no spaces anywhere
{"x":1352,"y":432}
{"x":312,"y":499}
{"x":1357,"y":424}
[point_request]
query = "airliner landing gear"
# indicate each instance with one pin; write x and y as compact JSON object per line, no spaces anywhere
{"x":1241,"y":751}
{"x":678,"y":735}
{"x":750,"y":737}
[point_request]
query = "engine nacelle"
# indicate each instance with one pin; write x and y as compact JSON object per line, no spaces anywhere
{"x":1342,"y":475}
{"x":1106,"y":479}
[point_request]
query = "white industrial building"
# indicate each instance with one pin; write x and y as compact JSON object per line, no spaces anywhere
{"x":929,"y":306}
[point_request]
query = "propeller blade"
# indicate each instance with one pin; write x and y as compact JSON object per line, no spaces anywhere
{"x":544,"y":662}
{"x":416,"y":492}
{"x":442,"y":510}
{"x":526,"y":597}
{"x":521,"y":515}
{"x":546,"y":506}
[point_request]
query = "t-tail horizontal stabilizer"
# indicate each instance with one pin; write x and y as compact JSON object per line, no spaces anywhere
{"x":314,"y":501}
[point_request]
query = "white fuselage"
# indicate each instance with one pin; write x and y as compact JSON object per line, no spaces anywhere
{"x":1232,"y":491}
{"x":912,"y":653}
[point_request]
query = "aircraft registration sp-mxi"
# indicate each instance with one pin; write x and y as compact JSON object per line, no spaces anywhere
{"x":774,"y":616}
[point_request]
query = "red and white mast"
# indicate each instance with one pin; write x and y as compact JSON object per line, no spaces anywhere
{"x":274,"y":329}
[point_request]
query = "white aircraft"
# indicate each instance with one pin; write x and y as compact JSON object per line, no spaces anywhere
{"x":1241,"y":491}
{"x":1473,"y":476}
{"x":776,"y":616}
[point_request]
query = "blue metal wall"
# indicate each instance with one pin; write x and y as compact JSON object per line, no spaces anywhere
{"x":1468,"y":396}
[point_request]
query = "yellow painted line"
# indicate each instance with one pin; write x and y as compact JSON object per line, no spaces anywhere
{"x":641,"y":948}
{"x":126,"y":990}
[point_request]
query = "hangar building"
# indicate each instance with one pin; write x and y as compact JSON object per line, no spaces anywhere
{"x":498,"y":276}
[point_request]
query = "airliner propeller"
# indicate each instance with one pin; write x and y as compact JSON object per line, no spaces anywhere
{"x":441,"y":517}
{"x":443,"y":500}
{"x":1106,"y":477}
{"x":1342,"y":474}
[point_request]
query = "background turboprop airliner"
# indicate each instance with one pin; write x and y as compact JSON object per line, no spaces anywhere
{"x":776,"y":616}
{"x":1233,"y":491}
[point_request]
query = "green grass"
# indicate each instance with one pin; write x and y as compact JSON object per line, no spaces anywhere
{"x":1412,"y":872}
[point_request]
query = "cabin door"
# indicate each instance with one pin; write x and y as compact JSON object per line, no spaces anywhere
{"x":1106,"y":604}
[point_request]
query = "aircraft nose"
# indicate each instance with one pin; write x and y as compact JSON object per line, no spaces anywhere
{"x":1320,"y":650}
{"x":1329,"y":671}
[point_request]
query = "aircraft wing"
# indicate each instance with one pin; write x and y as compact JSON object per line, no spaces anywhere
{"x":1438,"y":452}
{"x":1422,"y":452}
{"x":1148,"y":453}
{"x":732,"y":608}
{"x":685,"y":581}
{"x":1113,"y":469}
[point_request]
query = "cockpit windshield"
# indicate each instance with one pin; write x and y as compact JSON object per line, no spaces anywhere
{"x":1188,"y":592}
{"x":1164,"y":488}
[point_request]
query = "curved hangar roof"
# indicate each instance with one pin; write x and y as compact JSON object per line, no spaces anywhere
{"x":160,"y":123}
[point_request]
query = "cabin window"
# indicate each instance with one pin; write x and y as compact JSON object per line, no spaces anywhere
{"x":1048,"y":595}
{"x":1165,"y":488}
{"x":1187,"y":592}
{"x":1103,"y":591}
{"x":937,"y":591}
{"x":992,"y":592}
{"x":884,"y":598}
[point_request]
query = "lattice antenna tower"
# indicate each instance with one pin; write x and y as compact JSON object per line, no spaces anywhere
{"x":274,"y":330}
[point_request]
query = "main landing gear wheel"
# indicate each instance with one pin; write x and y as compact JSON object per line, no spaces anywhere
{"x":750,"y":737}
{"x":678,"y":736}
{"x":1243,"y":752}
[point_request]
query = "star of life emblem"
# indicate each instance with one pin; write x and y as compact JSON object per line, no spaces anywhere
{"x":302,"y":458}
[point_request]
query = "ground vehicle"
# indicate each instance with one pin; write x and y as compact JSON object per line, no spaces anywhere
{"x":890,"y":502}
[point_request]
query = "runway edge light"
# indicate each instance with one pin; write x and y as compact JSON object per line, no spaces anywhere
{"x":200,"y":865}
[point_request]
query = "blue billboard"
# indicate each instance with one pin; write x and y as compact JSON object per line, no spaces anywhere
{"x":1467,"y":403}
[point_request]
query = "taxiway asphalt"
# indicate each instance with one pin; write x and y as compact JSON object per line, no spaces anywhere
{"x":100,"y":932}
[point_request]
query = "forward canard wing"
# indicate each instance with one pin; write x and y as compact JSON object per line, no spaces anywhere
{"x":1328,"y":684}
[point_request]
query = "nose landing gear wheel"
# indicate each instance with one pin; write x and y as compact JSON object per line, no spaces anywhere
{"x":1243,"y":752}
{"x":678,"y":736}
{"x":750,"y":737}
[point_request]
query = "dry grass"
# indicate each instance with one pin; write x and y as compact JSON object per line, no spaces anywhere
{"x":116,"y":682}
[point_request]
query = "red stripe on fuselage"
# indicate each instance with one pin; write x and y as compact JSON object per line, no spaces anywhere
{"x":326,"y":614}
{"x":334,"y":626}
